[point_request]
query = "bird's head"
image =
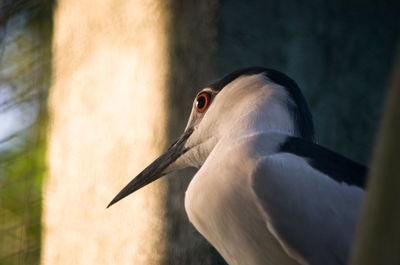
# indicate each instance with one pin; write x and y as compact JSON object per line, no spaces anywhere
{"x":246,"y":101}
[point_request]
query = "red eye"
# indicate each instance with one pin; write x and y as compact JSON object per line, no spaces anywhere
{"x":202,"y":101}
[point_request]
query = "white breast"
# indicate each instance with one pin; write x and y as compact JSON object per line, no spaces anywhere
{"x":220,"y":204}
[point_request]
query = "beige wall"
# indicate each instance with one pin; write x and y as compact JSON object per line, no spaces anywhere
{"x":107,"y":121}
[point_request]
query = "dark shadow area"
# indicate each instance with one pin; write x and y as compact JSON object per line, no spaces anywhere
{"x":192,"y":53}
{"x":339,"y":52}
{"x":25,"y":67}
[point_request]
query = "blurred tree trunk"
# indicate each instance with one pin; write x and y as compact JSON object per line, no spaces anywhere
{"x":124,"y":72}
{"x":378,"y":235}
{"x":107,"y":122}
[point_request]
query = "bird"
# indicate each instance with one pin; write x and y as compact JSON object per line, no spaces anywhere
{"x":265,"y":192}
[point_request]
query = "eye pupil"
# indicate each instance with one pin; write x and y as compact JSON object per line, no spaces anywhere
{"x":201,"y":102}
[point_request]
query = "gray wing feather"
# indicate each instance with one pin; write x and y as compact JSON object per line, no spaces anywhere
{"x":312,"y":215}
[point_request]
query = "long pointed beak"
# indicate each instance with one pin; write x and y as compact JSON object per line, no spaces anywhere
{"x":155,"y":170}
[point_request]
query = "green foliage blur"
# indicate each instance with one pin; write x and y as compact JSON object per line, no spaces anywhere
{"x":25,"y":64}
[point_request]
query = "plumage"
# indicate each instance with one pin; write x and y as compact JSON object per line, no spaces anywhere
{"x":265,"y":192}
{"x":329,"y":163}
{"x":314,"y":215}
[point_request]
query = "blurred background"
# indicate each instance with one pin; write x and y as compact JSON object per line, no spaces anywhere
{"x":92,"y":91}
{"x":25,"y":72}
